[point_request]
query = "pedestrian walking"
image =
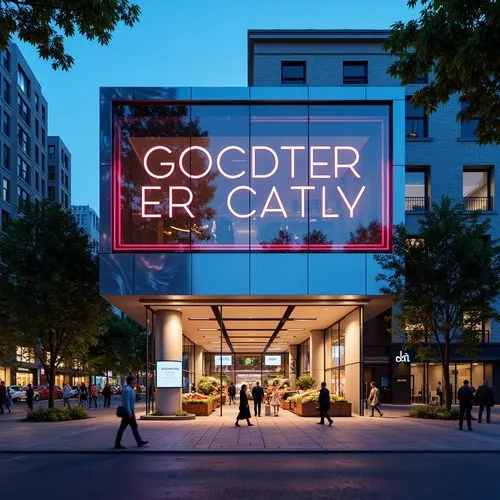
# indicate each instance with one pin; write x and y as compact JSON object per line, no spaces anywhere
{"x":83,"y":395}
{"x":374,"y":399}
{"x":465,"y":397}
{"x":275,"y":402}
{"x":106,"y":392}
{"x":126,"y":411}
{"x":8,"y":400}
{"x":324,"y":405}
{"x":30,"y":394}
{"x":94,"y":394}
{"x":258,"y":396}
{"x":66,"y":395}
{"x":3,"y":396}
{"x":231,"y":392}
{"x":244,"y":413}
{"x":484,"y":398}
{"x":440,"y":393}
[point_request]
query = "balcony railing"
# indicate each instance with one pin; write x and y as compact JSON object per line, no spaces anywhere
{"x":483,"y":203}
{"x":416,"y":203}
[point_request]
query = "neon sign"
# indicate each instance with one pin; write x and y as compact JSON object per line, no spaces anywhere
{"x":269,"y":177}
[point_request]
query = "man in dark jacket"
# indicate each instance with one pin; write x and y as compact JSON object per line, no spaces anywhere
{"x":465,"y":398}
{"x":324,"y":405}
{"x":484,"y":398}
{"x":258,"y":396}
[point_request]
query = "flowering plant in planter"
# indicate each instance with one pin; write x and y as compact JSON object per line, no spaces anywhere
{"x":311,"y":396}
{"x":305,"y":382}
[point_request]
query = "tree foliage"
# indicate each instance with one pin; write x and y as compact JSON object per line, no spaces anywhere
{"x":46,"y":24}
{"x":457,"y":42}
{"x":122,"y":348}
{"x":445,"y":281}
{"x":49,"y":294}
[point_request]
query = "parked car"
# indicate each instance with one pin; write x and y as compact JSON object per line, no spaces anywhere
{"x":43,"y":391}
{"x":18,"y":394}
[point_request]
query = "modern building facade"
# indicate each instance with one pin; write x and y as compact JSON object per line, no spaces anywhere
{"x":89,"y":221}
{"x":59,"y":173}
{"x":240,"y":224}
{"x":25,"y":174}
{"x":442,"y":157}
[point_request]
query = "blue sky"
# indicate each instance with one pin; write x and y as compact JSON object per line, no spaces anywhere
{"x":177,"y":43}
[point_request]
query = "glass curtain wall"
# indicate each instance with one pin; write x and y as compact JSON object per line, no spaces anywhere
{"x":187,"y":364}
{"x":304,"y":357}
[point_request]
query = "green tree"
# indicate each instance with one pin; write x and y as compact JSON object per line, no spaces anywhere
{"x":458,"y":43}
{"x":445,"y":281}
{"x":46,"y":24}
{"x":121,"y":349}
{"x":49,"y":286}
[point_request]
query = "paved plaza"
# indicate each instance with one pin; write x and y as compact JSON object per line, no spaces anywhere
{"x":288,"y":432}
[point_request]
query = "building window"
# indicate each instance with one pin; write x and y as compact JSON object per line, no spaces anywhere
{"x":44,"y":114}
{"x":416,"y":190}
{"x":6,"y":59}
{"x":52,"y":173}
{"x":293,"y":72}
{"x":66,"y":181}
{"x":43,"y":136}
{"x":23,"y":110}
{"x":44,"y":164}
{"x":355,"y":72}
{"x":37,"y":181}
{"x":37,"y":102}
{"x":416,"y":121}
{"x":5,"y":221}
{"x":23,"y":82}
{"x":37,"y":155}
{"x":23,"y":140}
{"x":5,"y":190}
{"x":22,"y":196}
{"x":6,"y":91}
{"x":6,"y":124}
{"x":6,"y":157}
{"x":477,"y":189}
{"x":37,"y":128}
{"x":44,"y":188}
{"x":421,"y":79}
{"x":23,"y":170}
{"x":52,"y":193}
{"x":468,"y":129}
{"x":25,"y":354}
{"x":52,"y":152}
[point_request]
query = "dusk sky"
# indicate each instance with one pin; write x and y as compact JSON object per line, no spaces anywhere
{"x":177,"y":43}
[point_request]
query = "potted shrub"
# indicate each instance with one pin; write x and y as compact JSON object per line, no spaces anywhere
{"x":305,"y":382}
{"x":198,"y":404}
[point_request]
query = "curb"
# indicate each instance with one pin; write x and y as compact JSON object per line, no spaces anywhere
{"x":245,"y":452}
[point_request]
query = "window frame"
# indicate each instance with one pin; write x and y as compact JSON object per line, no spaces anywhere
{"x":488,"y":170}
{"x":293,"y":80}
{"x":352,"y":80}
{"x":426,"y":171}
{"x":424,"y":118}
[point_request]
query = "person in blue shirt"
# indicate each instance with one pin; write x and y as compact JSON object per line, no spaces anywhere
{"x":128,"y":418}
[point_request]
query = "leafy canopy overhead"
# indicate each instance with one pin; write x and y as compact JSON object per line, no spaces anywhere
{"x":46,"y":24}
{"x":457,"y":42}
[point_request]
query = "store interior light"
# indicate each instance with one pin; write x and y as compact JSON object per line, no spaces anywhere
{"x":201,"y":319}
{"x":208,"y":329}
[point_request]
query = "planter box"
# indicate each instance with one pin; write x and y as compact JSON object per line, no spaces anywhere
{"x":198,"y":409}
{"x":336,"y":409}
{"x":285,"y":404}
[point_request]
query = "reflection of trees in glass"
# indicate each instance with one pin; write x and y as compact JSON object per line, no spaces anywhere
{"x":143,"y":128}
{"x":317,"y":237}
{"x":367,"y":234}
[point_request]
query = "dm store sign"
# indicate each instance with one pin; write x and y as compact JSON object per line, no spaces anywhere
{"x":241,"y":177}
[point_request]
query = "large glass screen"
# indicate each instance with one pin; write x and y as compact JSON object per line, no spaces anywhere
{"x":251,"y":177}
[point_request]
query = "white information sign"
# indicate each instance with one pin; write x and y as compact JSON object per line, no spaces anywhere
{"x":168,"y":374}
{"x":226,"y":360}
{"x":272,"y":360}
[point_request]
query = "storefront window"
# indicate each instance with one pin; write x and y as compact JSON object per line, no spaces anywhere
{"x":23,"y":378}
{"x":304,"y":358}
{"x":5,"y":374}
{"x":187,"y":364}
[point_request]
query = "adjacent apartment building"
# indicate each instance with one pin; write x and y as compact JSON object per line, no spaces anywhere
{"x":442,"y":155}
{"x":33,"y":165}
{"x":88,"y":220}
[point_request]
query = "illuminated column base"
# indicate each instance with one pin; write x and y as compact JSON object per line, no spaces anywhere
{"x":168,"y":347}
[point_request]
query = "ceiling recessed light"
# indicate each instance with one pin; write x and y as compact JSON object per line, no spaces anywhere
{"x":302,"y":319}
{"x":208,"y":329}
{"x":326,"y":309}
{"x":200,"y":319}
{"x":293,"y":329}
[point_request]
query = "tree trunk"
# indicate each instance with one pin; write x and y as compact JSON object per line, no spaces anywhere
{"x":51,"y":378}
{"x":446,"y":374}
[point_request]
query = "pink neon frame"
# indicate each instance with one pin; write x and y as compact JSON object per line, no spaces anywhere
{"x":116,"y":219}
